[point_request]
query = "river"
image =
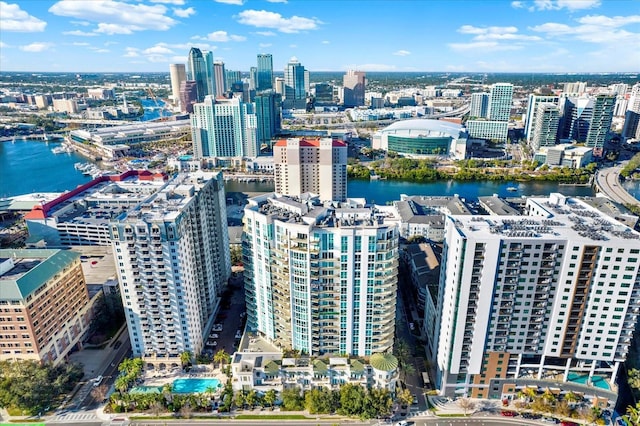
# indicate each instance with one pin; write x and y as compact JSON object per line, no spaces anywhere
{"x":29,"y":166}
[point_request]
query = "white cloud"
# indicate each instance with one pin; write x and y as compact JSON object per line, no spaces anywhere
{"x":36,"y":47}
{"x":293,"y":46}
{"x":116,"y":17}
{"x":178,"y":59}
{"x":101,"y":50}
{"x":184,"y":13}
{"x":483,"y":46}
{"x":595,"y":29}
{"x":109,"y":43}
{"x":131,"y":52}
{"x":517,"y":4}
{"x":79,"y":33}
{"x":4,"y":45}
{"x":15,"y":19}
{"x":174,"y":2}
{"x":78,"y":43}
{"x":158,"y":49}
{"x":223,"y":37}
{"x":235,"y":2}
{"x":326,"y":42}
{"x":266,"y":19}
{"x":266,"y":33}
{"x":470,"y":29}
{"x":570,"y":5}
{"x":372,"y":67}
{"x":277,"y":1}
{"x":401,"y":53}
{"x":81,"y":23}
{"x":263,"y":45}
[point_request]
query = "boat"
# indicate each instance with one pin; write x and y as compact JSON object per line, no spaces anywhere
{"x":512,"y":189}
{"x":58,"y":149}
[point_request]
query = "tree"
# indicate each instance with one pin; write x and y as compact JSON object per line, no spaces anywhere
{"x":378,"y":403}
{"x":467,"y":405}
{"x":252,"y":398}
{"x":352,"y":399}
{"x":239,"y":399}
{"x":221,"y":357}
{"x":320,"y":401}
{"x":186,"y":411}
{"x":633,"y":378}
{"x":404,"y":397}
{"x":270,"y":397}
{"x":292,"y":400}
{"x":633,"y":414}
{"x":185,"y":358}
{"x":121,"y":384}
{"x":99,"y":393}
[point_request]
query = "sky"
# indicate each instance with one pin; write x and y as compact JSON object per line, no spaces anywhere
{"x":324,"y":35}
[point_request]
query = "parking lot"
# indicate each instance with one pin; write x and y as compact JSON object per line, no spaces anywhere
{"x":231,"y":316}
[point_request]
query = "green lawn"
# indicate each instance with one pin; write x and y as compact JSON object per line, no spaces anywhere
{"x":271,"y":417}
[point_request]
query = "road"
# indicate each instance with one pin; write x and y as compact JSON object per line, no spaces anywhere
{"x":608,"y":182}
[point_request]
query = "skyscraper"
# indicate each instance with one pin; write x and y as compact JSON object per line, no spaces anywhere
{"x":587,"y":119}
{"x":500,"y":98}
{"x":323,"y":94}
{"x":268,"y":116}
{"x":198,"y":72}
{"x":220,"y":78}
{"x":545,"y":126}
{"x":555,"y":294}
{"x":178,"y":74}
{"x":188,"y":95}
{"x":479,"y":105}
{"x":318,"y":166}
{"x":295,"y":95}
{"x":224,"y":128}
{"x":264,"y":72}
{"x":532,"y":110}
{"x":173,"y":262}
{"x":211,"y":78}
{"x":321,"y":280}
{"x":354,"y":83}
{"x":600,"y":124}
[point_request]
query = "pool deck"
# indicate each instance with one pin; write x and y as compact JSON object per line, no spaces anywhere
{"x":160,"y":378}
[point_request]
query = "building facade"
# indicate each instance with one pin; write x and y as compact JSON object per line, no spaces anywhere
{"x":354,"y":83}
{"x":295,"y":94}
{"x":500,"y":99}
{"x":552,"y":297}
{"x":532,"y":111}
{"x":177,"y":74}
{"x":317,"y":166}
{"x":173,"y":263}
{"x":544,"y":130}
{"x":198,"y":73}
{"x":264,"y":76}
{"x":321,"y":280}
{"x":224,"y":128}
{"x":45,"y":309}
{"x":479,"y":105}
{"x":220,"y":78}
{"x":269,"y":116}
{"x":487,"y":129}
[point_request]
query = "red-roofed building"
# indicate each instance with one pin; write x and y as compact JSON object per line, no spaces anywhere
{"x":317,"y":166}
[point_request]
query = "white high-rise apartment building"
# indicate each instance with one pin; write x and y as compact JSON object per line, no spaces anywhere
{"x":500,"y":98}
{"x":554,"y":295}
{"x":532,"y":110}
{"x":173,"y":262}
{"x":317,"y":166}
{"x":634,"y":99}
{"x":319,"y":279}
{"x":224,"y":128}
{"x":545,"y":126}
{"x":479,"y":105}
{"x":575,"y":89}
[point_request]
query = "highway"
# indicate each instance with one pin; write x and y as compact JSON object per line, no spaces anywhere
{"x":608,"y":183}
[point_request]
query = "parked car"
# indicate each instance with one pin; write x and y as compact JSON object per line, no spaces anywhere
{"x":238,"y":334}
{"x":549,"y":420}
{"x":216,"y":327}
{"x":508,"y":413}
{"x":213,"y":336}
{"x":415,"y":400}
{"x":97,"y":381}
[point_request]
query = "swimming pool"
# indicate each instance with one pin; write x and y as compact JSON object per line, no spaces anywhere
{"x":195,"y":385}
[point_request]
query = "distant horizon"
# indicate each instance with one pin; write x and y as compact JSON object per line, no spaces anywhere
{"x":500,"y":36}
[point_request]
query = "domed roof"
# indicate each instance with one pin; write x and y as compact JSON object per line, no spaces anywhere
{"x":425,"y":126}
{"x":383,"y":362}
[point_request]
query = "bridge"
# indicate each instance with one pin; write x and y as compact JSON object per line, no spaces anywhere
{"x":608,"y":183}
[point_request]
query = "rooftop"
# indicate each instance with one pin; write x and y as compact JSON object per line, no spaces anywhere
{"x":310,"y":142}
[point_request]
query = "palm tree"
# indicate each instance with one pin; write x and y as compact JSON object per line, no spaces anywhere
{"x":185,"y":358}
{"x":633,"y":378}
{"x":270,"y":397}
{"x":121,"y":384}
{"x":633,"y":414}
{"x":221,"y":357}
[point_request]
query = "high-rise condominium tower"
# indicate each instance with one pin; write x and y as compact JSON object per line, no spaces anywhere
{"x":587,"y":119}
{"x":220,"y":77}
{"x":295,"y":95}
{"x":532,"y":110}
{"x":211,"y":78}
{"x":555,"y":294}
{"x":500,"y":98}
{"x":224,"y":128}
{"x":172,"y":256}
{"x":178,"y":74}
{"x":354,"y":83}
{"x":318,"y":166}
{"x":479,"y":105}
{"x":198,"y":72}
{"x":268,"y":114}
{"x":321,"y":280}
{"x":264,"y":72}
{"x":545,"y":126}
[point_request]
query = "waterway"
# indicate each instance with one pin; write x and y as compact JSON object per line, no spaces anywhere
{"x":29,"y":166}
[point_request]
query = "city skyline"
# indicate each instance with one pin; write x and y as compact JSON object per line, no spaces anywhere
{"x":147,"y":36}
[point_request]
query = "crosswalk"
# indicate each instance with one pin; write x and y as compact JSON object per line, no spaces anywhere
{"x":74,"y":418}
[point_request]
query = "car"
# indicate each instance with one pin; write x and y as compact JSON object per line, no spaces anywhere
{"x":238,"y":334}
{"x":508,"y":413}
{"x":213,"y":336}
{"x":549,"y":420}
{"x":415,"y":400}
{"x":97,"y":381}
{"x":402,"y":423}
{"x":412,"y":326}
{"x":567,"y":423}
{"x":216,"y":327}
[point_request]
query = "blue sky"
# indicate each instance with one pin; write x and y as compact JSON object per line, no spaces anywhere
{"x":325,"y":35}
